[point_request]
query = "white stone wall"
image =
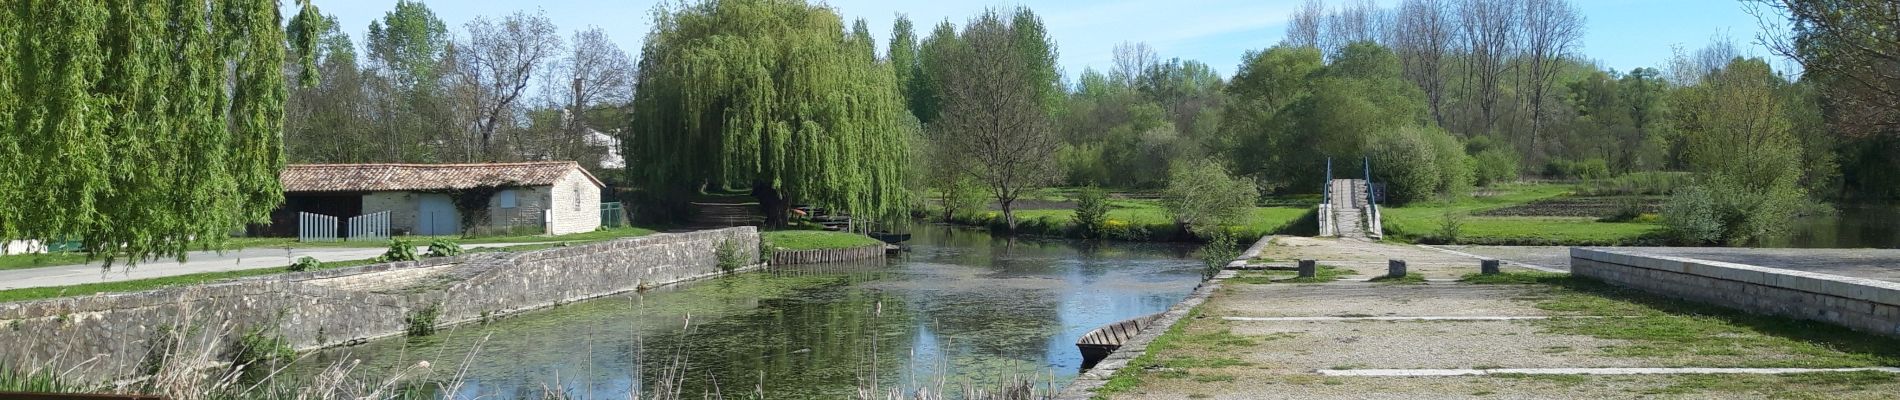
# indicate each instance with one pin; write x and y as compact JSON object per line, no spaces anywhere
{"x":576,"y":204}
{"x":400,"y":205}
{"x":1862,"y":304}
{"x":529,"y":205}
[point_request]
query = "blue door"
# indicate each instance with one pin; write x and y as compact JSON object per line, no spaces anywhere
{"x":436,"y":216}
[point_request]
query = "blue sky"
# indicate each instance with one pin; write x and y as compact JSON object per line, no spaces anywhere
{"x":1621,"y":34}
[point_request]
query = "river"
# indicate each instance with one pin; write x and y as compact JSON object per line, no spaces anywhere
{"x":960,"y":308}
{"x":1853,"y":226}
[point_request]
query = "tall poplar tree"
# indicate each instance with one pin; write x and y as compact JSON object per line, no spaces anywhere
{"x":772,"y":95}
{"x":904,"y":60}
{"x":140,"y":128}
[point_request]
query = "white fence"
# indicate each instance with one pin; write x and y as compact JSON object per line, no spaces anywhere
{"x":315,"y":227}
{"x":374,"y":227}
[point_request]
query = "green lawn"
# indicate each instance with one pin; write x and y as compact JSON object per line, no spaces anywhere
{"x":21,"y":261}
{"x":1423,"y":221}
{"x":1150,"y":214}
{"x":151,"y":283}
{"x":810,"y":240}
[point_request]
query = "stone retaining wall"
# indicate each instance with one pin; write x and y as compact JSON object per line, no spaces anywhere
{"x":108,"y":335}
{"x":817,"y":256}
{"x":1862,"y":304}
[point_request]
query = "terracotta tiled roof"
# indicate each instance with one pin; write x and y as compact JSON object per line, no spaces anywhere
{"x":421,"y":177}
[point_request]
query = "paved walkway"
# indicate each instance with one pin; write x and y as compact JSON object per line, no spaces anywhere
{"x":1358,"y":340}
{"x":1368,"y":259}
{"x":196,"y":262}
{"x":1882,"y":264}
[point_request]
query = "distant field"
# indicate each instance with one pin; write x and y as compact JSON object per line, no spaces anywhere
{"x":1139,"y":216}
{"x":1524,"y":213}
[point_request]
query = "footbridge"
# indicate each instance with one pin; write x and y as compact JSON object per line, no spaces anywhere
{"x":1348,"y":207}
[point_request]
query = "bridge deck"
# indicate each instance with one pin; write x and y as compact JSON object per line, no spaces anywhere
{"x":1348,"y":210}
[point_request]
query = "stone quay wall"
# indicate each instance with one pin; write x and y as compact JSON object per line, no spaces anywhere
{"x":1861,"y":304}
{"x":108,"y":336}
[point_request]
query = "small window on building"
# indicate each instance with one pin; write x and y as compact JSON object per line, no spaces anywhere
{"x":506,"y":198}
{"x":578,"y":203}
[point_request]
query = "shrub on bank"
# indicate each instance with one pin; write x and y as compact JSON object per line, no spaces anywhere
{"x":1091,"y":212}
{"x":444,"y":248}
{"x":305,"y":264}
{"x":399,"y":250}
{"x":1594,"y":168}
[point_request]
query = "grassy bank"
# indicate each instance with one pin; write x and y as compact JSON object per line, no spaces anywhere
{"x":1425,"y":222}
{"x":1136,"y":220}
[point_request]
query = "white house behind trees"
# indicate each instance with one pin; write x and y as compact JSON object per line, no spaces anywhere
{"x":553,"y":197}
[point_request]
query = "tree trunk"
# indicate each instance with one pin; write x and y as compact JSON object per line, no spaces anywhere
{"x":772,"y":203}
{"x":1009,"y":215}
{"x":944,"y":201}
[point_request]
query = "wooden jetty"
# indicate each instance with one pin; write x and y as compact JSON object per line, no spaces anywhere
{"x":1098,"y":343}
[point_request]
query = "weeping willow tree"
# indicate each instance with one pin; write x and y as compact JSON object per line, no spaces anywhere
{"x":771,"y":95}
{"x":140,"y":128}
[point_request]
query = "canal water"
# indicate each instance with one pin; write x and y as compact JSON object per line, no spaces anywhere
{"x":1853,"y":226}
{"x":960,"y":309}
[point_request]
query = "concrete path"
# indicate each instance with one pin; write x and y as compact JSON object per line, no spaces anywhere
{"x":1357,"y":340}
{"x":196,"y":262}
{"x":1368,"y":259}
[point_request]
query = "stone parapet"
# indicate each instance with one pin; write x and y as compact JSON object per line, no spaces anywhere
{"x":1861,"y":304}
{"x":108,"y":336}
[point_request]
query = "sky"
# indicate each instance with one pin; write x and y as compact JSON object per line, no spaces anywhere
{"x":1620,"y":34}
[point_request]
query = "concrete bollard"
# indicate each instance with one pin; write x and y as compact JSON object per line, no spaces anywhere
{"x":1395,"y":268}
{"x":1488,"y":267}
{"x":1309,"y":268}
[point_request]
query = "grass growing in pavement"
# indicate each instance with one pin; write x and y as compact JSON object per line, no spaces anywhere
{"x":1514,"y":278}
{"x":1408,"y":279}
{"x":1777,"y":386}
{"x":1813,"y":385}
{"x":809,"y":240}
{"x":1673,"y":330}
{"x":1321,"y":274}
{"x":36,"y":293}
{"x":1180,"y":352}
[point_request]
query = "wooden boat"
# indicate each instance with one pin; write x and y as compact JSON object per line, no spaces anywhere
{"x":892,"y":238}
{"x":1097,"y":344}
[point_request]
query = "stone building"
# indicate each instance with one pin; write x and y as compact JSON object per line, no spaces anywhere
{"x":555,"y":197}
